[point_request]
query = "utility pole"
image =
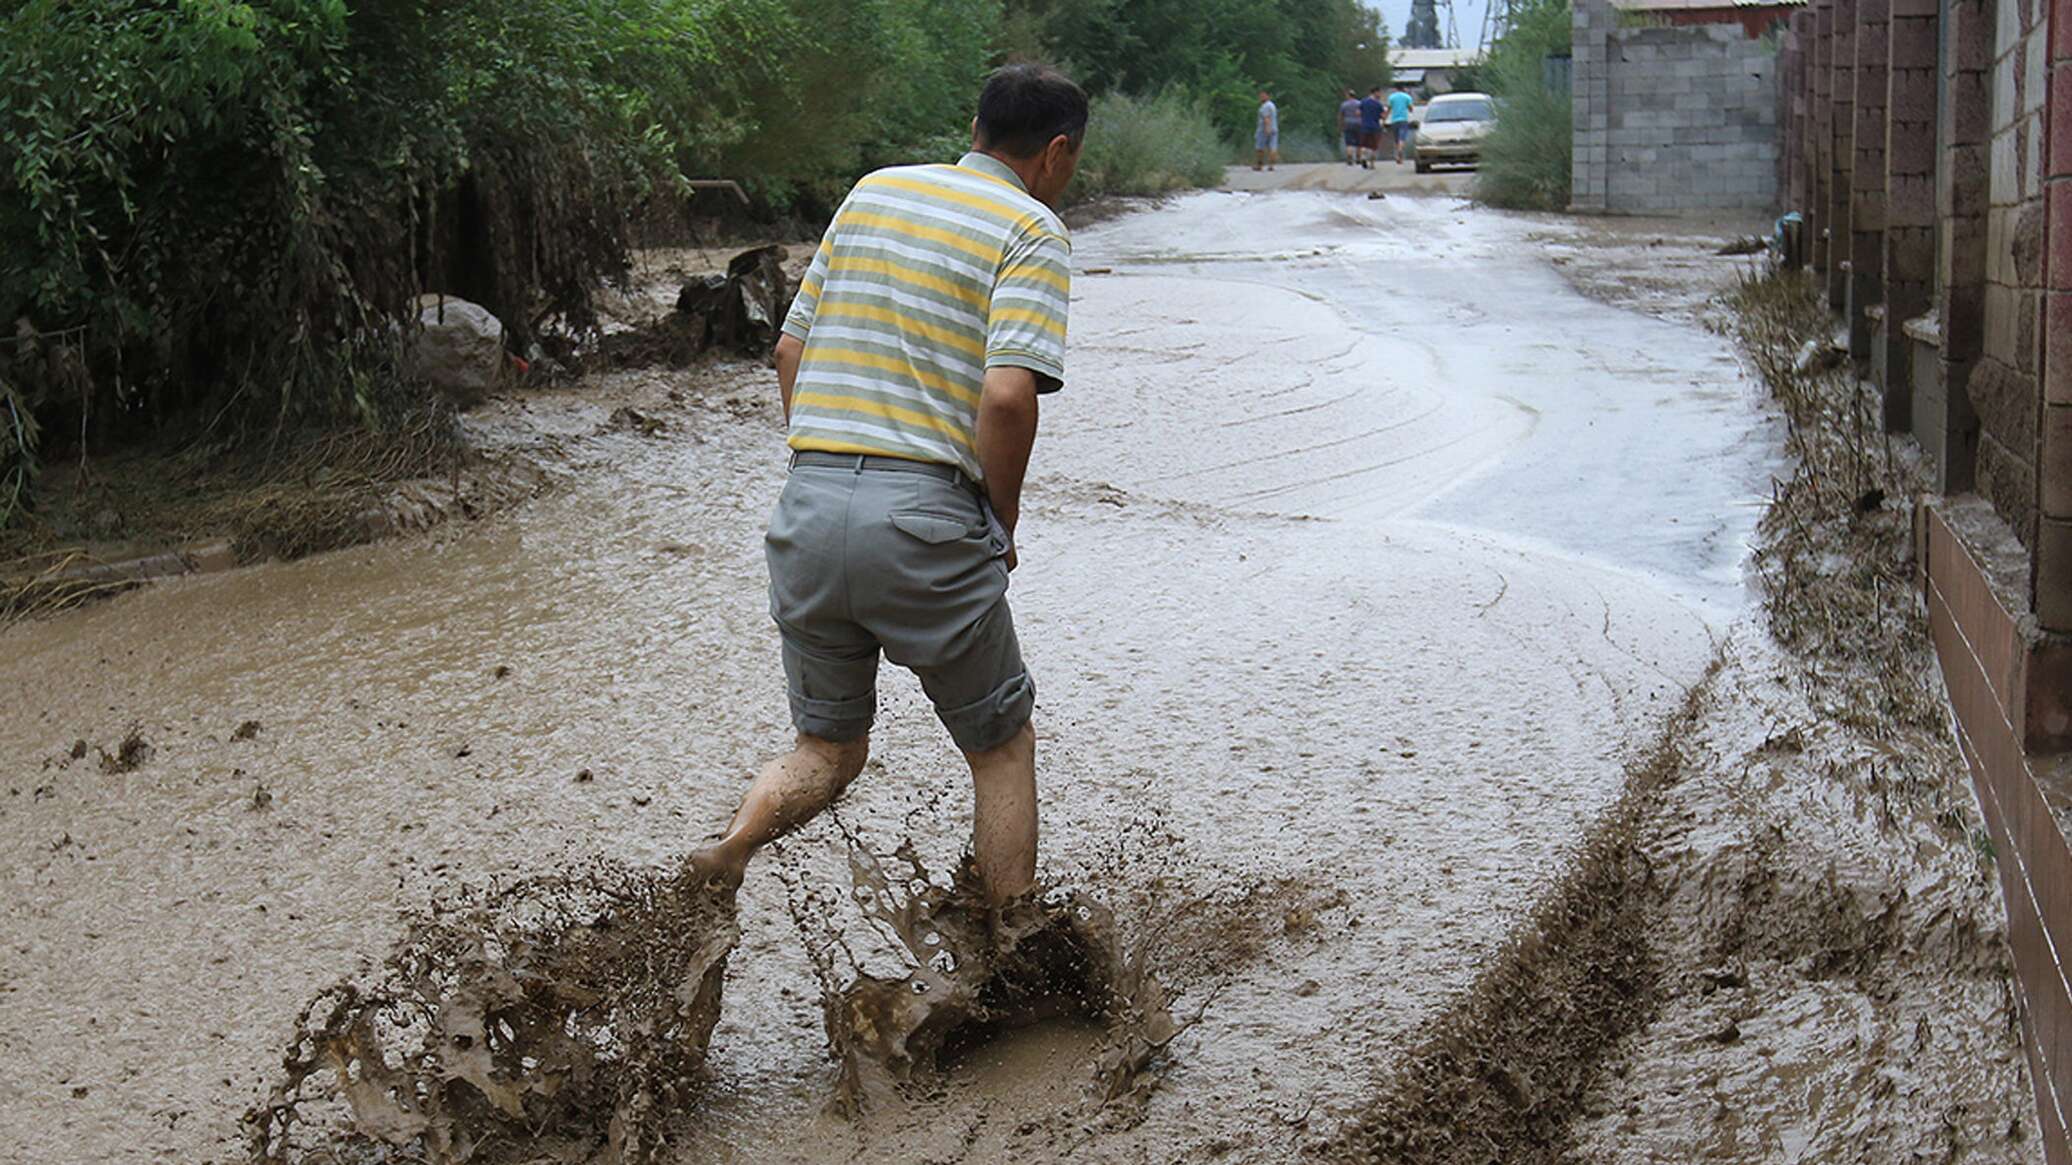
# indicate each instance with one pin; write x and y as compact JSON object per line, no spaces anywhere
{"x":1496,"y":24}
{"x":1423,"y":30}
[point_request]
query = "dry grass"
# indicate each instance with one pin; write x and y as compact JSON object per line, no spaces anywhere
{"x":1835,"y":557}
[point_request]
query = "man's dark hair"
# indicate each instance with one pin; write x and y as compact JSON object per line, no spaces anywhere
{"x":1024,"y":106}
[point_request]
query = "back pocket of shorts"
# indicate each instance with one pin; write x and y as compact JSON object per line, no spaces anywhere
{"x":935,"y":529}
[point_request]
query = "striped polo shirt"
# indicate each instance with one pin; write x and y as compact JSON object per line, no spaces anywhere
{"x":928,"y":276}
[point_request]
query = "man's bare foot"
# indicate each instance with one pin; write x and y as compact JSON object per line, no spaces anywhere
{"x":716,"y":868}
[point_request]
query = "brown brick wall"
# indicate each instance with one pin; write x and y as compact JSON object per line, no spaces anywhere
{"x":1984,"y":664}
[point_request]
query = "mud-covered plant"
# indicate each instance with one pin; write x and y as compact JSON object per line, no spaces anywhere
{"x":1836,"y":559}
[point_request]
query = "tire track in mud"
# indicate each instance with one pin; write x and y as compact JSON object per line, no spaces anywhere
{"x":1500,"y":1074}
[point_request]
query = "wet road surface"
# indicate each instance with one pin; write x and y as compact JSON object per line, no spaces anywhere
{"x":1360,"y":554}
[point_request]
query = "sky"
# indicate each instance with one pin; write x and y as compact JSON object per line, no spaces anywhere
{"x":1467,"y":17}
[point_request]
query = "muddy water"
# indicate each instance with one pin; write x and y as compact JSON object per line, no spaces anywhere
{"x":1360,"y":553}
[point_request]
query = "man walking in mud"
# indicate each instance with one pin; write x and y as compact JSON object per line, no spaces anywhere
{"x":930,"y":321}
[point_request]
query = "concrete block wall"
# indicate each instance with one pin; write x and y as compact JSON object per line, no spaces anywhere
{"x":1908,"y":240}
{"x":1594,"y":21}
{"x":1867,"y":184}
{"x":1842,"y":150}
{"x":2052,"y":553}
{"x":2003,"y":388}
{"x":1671,"y":120}
{"x":1963,"y":128}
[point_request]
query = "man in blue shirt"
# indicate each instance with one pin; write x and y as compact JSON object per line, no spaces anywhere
{"x":1399,"y":118}
{"x":1371,"y":109}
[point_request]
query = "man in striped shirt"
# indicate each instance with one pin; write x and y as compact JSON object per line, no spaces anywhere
{"x":930,"y":321}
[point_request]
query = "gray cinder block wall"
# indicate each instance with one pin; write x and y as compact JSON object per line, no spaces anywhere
{"x":1670,"y":120}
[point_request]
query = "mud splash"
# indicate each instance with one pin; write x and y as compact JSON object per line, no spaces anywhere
{"x":557,"y":1019}
{"x":976,"y":973}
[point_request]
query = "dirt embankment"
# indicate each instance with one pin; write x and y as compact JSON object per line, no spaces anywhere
{"x":111,"y":522}
{"x":1785,"y":942}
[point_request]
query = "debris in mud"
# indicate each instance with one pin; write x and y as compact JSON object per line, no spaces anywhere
{"x":976,"y":973}
{"x":628,"y":417}
{"x":1746,"y":245}
{"x":130,"y":755}
{"x":740,"y":310}
{"x":78,"y":751}
{"x":564,"y":1017}
{"x":247,"y":731}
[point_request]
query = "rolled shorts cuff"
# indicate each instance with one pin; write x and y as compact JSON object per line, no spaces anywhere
{"x":989,"y":723}
{"x":835,"y":720}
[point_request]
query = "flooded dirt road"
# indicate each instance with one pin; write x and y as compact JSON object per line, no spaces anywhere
{"x":1360,"y":555}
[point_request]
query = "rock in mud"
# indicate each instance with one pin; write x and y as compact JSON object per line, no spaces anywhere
{"x":459,"y":349}
{"x":978,"y":973}
{"x":562,"y":1018}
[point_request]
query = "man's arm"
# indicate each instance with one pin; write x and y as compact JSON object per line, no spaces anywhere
{"x":790,"y":350}
{"x":1006,"y":432}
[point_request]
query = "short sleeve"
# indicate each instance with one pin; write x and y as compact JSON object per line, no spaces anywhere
{"x":806,"y":304}
{"x":1025,"y":326}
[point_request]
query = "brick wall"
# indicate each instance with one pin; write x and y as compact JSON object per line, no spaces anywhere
{"x":1672,"y":119}
{"x":1993,"y":670}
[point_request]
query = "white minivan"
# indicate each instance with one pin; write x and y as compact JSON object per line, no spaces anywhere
{"x":1453,"y":128}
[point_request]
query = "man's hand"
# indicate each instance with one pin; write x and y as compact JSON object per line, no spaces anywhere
{"x":1006,"y":432}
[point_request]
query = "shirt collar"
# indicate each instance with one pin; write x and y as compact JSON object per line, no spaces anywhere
{"x":989,"y":165}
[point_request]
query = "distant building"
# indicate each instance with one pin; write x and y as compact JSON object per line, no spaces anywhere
{"x":1432,"y":69}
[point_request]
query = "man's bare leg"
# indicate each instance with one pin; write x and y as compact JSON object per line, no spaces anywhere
{"x":790,"y":791}
{"x":1004,"y":820}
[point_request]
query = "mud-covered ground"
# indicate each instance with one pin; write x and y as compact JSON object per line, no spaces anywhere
{"x":1364,"y":559}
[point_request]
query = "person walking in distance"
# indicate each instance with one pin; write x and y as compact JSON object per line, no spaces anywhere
{"x":1399,"y":118}
{"x":930,"y":322}
{"x":1349,"y":127}
{"x":1266,"y":139}
{"x":1371,"y":111}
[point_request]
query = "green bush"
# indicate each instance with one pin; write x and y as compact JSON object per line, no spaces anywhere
{"x":1527,"y":158}
{"x":221,"y":210}
{"x":1149,"y":145}
{"x":214,"y":214}
{"x":1222,"y":52}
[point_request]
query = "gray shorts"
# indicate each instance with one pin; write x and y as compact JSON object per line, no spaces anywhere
{"x":874,"y":554}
